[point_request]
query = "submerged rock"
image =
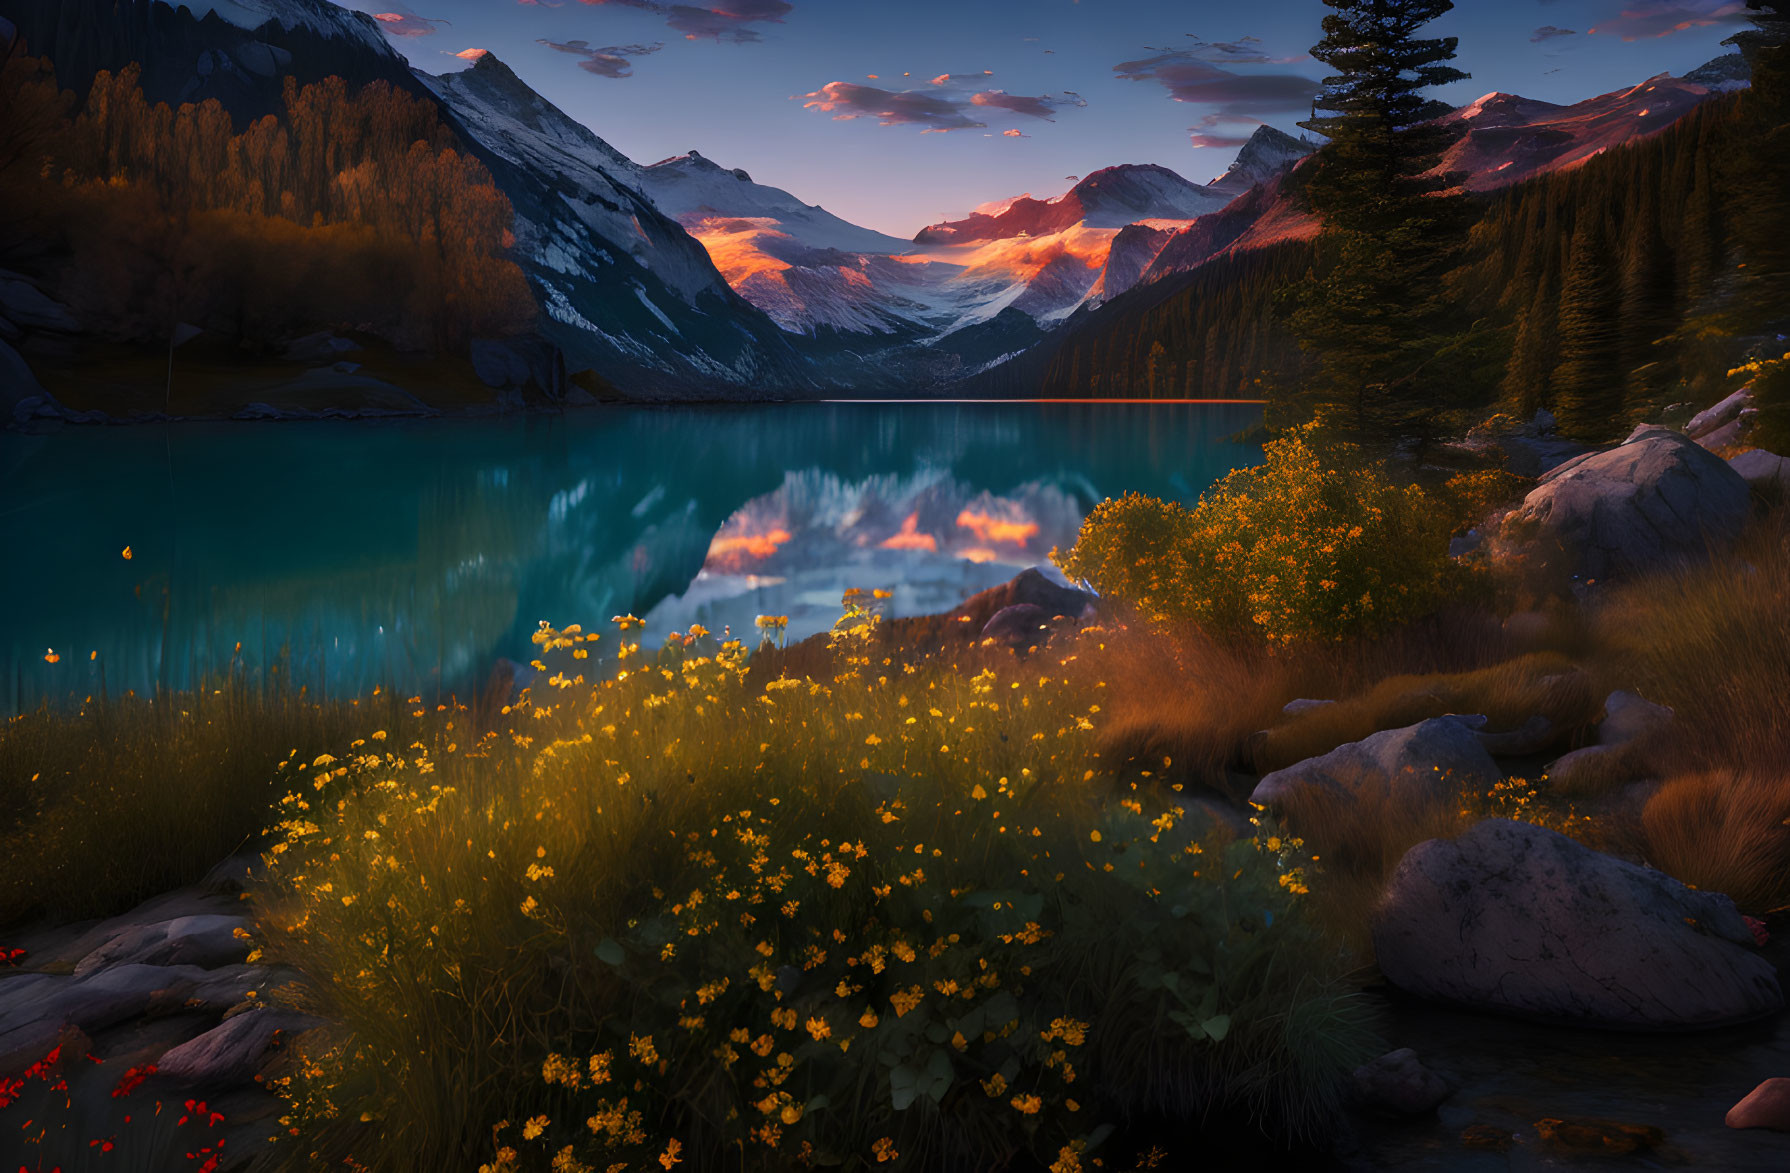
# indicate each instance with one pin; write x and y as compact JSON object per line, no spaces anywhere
{"x":1398,"y":1083}
{"x":1430,"y":761}
{"x":1516,"y":918}
{"x":1652,"y":500}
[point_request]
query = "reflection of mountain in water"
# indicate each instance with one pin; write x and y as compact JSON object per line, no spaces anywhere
{"x":929,"y":537}
{"x":416,"y":553}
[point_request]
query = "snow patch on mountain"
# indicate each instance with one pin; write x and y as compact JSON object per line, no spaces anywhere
{"x":326,"y":20}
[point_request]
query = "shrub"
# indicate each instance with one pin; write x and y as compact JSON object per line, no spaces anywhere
{"x":895,"y":915}
{"x":1300,"y":547}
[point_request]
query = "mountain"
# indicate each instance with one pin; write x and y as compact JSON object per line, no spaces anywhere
{"x":1507,"y":138}
{"x":800,"y":264}
{"x":1109,"y":198}
{"x":626,"y":290}
{"x":1266,"y":154}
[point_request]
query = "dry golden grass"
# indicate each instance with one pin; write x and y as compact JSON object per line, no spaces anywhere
{"x":1726,"y":832}
{"x":1507,"y":693}
{"x":1713,"y":643}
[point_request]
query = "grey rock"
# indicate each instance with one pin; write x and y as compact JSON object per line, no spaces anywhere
{"x":1430,"y":761}
{"x":98,"y":1000}
{"x":1731,"y":434}
{"x":1516,"y":918}
{"x":1766,"y":1106}
{"x":1628,"y":718}
{"x":1398,"y":1083}
{"x":226,"y":988}
{"x":1304,"y":705}
{"x":233,"y":1052}
{"x":24,"y":304}
{"x":262,"y":59}
{"x":205,"y":941}
{"x":1722,"y":414}
{"x":1652,"y":500}
{"x":1021,"y":626}
{"x":1766,"y":472}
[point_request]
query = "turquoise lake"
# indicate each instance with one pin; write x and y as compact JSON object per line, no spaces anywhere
{"x":415,"y":554}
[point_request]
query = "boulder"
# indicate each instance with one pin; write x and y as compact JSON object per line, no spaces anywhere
{"x":1766,"y":472}
{"x":1654,"y":499}
{"x":98,"y":1000}
{"x":1431,"y":761}
{"x":233,"y":1052}
{"x":1398,"y":1083}
{"x":24,"y":304}
{"x":1766,"y":1106}
{"x":1732,"y":434}
{"x":1515,"y":918}
{"x":235,"y":874}
{"x":1628,"y":721}
{"x":1721,"y":415}
{"x":1629,"y":718}
{"x":1304,"y":705}
{"x":1021,"y":626}
{"x":1029,"y":586}
{"x":1532,"y":736}
{"x":204,"y":941}
{"x":520,"y":364}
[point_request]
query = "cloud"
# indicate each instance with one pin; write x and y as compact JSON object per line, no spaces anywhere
{"x":472,"y":54}
{"x":727,"y":20}
{"x":1189,"y":76}
{"x":1218,"y":130}
{"x":1242,"y":51}
{"x":1040,"y":107}
{"x":406,"y":24}
{"x":722,"y":20}
{"x":945,"y":79}
{"x":1015,"y":133}
{"x":606,"y":61}
{"x":935,"y":111}
{"x":1548,"y":32}
{"x":1662,"y":18}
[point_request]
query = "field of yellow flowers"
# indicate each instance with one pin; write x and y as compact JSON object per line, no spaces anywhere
{"x":903,"y":916}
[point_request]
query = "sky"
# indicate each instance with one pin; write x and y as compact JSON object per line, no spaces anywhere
{"x":895,"y":114}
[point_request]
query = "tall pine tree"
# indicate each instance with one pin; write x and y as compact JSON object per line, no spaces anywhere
{"x":1378,"y":316}
{"x":1588,"y":384}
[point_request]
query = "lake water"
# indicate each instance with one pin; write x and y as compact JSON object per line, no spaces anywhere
{"x":415,"y":554}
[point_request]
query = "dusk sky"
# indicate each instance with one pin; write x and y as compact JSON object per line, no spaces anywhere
{"x":986,"y":99}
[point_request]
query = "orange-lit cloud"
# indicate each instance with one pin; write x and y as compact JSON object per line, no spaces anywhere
{"x":406,"y":24}
{"x":990,"y":529}
{"x":733,"y":553}
{"x":472,"y":54}
{"x":978,"y":554}
{"x":1662,"y":18}
{"x":909,"y":537}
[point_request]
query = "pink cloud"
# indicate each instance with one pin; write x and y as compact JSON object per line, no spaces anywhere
{"x":406,"y":24}
{"x":1662,"y":18}
{"x":473,"y":54}
{"x":934,"y":111}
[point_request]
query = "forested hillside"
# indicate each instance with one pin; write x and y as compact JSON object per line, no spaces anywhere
{"x":353,"y":209}
{"x":1601,"y":292}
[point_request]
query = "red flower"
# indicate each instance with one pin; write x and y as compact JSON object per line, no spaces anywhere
{"x":41,"y":1068}
{"x":132,"y":1080}
{"x":10,"y":957}
{"x":10,"y":1090}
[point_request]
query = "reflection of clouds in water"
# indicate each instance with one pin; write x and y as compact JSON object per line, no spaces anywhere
{"x":929,"y":537}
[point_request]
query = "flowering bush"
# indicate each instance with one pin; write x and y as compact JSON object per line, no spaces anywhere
{"x":897,"y":917}
{"x":1297,"y":548}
